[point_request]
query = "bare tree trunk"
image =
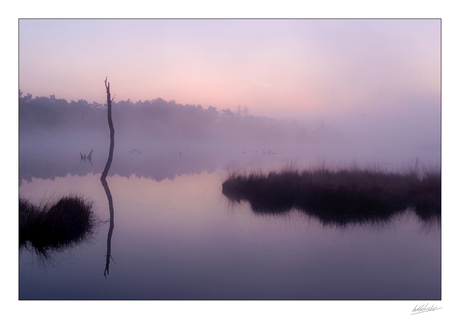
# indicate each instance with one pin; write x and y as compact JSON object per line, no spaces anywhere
{"x":112,"y":131}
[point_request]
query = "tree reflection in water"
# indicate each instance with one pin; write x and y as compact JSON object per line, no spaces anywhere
{"x":109,"y":236}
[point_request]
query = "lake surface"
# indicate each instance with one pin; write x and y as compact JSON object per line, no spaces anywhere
{"x":176,"y":236}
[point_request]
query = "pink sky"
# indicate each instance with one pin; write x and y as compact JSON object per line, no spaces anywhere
{"x":279,"y":68}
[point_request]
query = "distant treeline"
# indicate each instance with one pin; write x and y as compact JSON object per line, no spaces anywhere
{"x":163,"y":119}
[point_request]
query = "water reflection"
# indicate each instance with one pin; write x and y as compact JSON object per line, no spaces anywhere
{"x":84,"y":158}
{"x":151,"y":162}
{"x":337,"y":219}
{"x":109,"y":235}
{"x":194,"y":248}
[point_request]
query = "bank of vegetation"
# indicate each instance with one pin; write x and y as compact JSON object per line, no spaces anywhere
{"x":55,"y":226}
{"x":339,"y":196}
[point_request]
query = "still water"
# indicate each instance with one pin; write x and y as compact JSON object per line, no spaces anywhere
{"x":176,"y":236}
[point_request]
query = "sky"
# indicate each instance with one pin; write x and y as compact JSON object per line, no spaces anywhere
{"x":282,"y":68}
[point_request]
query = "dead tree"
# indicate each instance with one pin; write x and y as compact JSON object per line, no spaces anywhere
{"x":112,"y":131}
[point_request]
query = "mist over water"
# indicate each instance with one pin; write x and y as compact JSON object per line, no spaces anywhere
{"x":159,"y":139}
{"x":178,"y":237}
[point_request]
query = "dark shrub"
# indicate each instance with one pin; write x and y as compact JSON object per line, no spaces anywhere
{"x":65,"y":223}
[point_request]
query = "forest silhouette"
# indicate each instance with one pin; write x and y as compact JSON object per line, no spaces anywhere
{"x":162,"y":119}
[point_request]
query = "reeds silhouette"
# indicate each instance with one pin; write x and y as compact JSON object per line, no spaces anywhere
{"x":56,"y":226}
{"x":338,"y":196}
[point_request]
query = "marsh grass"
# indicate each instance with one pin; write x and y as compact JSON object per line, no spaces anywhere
{"x":54,"y":226}
{"x":339,"y":196}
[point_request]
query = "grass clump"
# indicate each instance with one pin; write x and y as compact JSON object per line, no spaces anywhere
{"x":338,"y":196}
{"x":54,"y":226}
